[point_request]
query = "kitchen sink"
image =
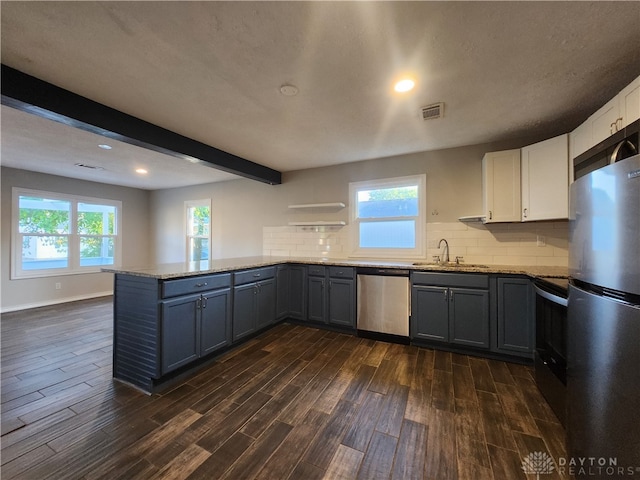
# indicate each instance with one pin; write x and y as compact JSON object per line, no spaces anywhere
{"x":450,"y":265}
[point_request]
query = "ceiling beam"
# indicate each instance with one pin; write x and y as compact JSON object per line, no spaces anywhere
{"x":41,"y":98}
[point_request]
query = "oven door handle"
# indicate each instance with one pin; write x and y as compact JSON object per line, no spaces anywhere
{"x":550,"y":296}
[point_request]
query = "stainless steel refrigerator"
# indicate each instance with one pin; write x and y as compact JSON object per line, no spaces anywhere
{"x":603,"y":336}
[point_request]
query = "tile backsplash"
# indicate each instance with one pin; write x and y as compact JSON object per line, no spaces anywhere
{"x":534,"y":243}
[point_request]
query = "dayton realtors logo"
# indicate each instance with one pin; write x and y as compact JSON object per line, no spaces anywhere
{"x":541,"y":463}
{"x":538,"y":463}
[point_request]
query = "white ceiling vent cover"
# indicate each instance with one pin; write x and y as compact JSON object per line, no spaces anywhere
{"x":432,"y":112}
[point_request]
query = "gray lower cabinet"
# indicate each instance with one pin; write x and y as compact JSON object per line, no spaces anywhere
{"x":450,"y":308}
{"x":254,"y":301}
{"x":316,"y":294}
{"x":283,"y":276}
{"x":192,"y":326}
{"x":342,"y":297}
{"x":331,"y":295}
{"x":298,"y":292}
{"x":515,"y":300}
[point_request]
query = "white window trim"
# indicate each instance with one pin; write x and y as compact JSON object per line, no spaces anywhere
{"x":74,"y":267}
{"x":195,"y":203}
{"x":419,"y":251}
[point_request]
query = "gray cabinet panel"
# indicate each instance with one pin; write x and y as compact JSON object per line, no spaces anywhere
{"x":430,"y":313}
{"x":265,"y":303}
{"x":469,"y":317}
{"x":463,"y":280}
{"x":316,"y":299}
{"x":244,"y":317}
{"x":516,"y":319}
{"x":215,"y":324}
{"x":255,"y":275}
{"x":342,"y":301}
{"x":195,"y":284}
{"x":180,"y":332}
{"x":298,"y":292}
{"x":283,"y":274}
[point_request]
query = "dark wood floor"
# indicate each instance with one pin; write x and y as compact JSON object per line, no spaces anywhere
{"x":295,"y":403}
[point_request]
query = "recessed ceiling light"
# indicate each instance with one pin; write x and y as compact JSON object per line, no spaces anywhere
{"x":141,"y":171}
{"x":289,"y":90}
{"x":404,"y":85}
{"x":104,"y":146}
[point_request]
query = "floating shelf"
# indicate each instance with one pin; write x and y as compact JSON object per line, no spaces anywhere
{"x":319,"y":205}
{"x":319,"y":223}
{"x":472,"y":218}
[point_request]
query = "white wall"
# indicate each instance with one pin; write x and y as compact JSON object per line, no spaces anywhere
{"x":26,"y":293}
{"x":246,"y":215}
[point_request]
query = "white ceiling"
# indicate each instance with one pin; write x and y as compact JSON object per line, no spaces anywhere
{"x":212,"y":71}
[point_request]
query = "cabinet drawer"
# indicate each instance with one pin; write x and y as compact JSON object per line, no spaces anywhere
{"x":316,"y":270}
{"x":196,"y":284}
{"x":341,"y":272}
{"x":254,"y":275}
{"x":469,"y":280}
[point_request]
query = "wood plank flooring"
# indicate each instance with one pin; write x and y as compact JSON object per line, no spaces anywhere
{"x":293,"y":403}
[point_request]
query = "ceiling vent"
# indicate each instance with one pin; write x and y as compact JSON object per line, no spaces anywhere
{"x":433,"y":111}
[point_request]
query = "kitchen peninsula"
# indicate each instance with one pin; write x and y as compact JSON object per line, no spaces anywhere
{"x":171,"y":319}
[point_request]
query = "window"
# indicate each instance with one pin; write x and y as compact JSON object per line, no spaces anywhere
{"x":387,"y":217}
{"x":57,"y":234}
{"x":198,"y":229}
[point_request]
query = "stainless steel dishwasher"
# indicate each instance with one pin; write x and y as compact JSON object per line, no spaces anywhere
{"x":383,"y":302}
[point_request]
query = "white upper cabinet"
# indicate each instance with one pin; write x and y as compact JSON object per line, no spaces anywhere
{"x":629,"y":103}
{"x":615,"y":115}
{"x":501,"y":186}
{"x":545,"y":180}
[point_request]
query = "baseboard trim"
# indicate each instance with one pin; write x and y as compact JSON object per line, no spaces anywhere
{"x":57,"y":301}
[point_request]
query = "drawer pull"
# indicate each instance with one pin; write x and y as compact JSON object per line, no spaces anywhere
{"x":198,"y":285}
{"x":256,"y":275}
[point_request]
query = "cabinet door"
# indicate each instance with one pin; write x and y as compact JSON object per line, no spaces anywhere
{"x":215,"y":320}
{"x":266,"y":303}
{"x":316,"y":299}
{"x":516,"y":318}
{"x":604,"y":121}
{"x":430,"y":313}
{"x":342,"y":302}
{"x":629,"y":103}
{"x":579,"y":142}
{"x":180,"y":331}
{"x":545,"y":180}
{"x":501,"y":186}
{"x":298,"y":292}
{"x":469,"y":317}
{"x":282,"y":291}
{"x":244,"y":310}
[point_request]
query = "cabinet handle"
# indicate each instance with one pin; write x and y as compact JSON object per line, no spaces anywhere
{"x":256,"y":275}
{"x":445,"y":294}
{"x":451,"y":296}
{"x":490,"y":215}
{"x":619,"y":127}
{"x":199,"y":303}
{"x":204,"y":302}
{"x":525,"y":213}
{"x":198,"y":285}
{"x":612,"y":128}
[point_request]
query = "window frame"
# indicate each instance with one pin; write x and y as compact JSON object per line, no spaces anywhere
{"x":74,"y":237}
{"x":420,"y":231}
{"x":189,"y":204}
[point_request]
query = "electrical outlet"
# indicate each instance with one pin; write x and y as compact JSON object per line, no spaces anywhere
{"x":541,"y":241}
{"x":58,"y":285}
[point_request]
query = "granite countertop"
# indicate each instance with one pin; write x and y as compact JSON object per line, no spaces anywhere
{"x":186,"y":269}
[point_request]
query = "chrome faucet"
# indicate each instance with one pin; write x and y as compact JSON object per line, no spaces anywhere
{"x":445,"y":252}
